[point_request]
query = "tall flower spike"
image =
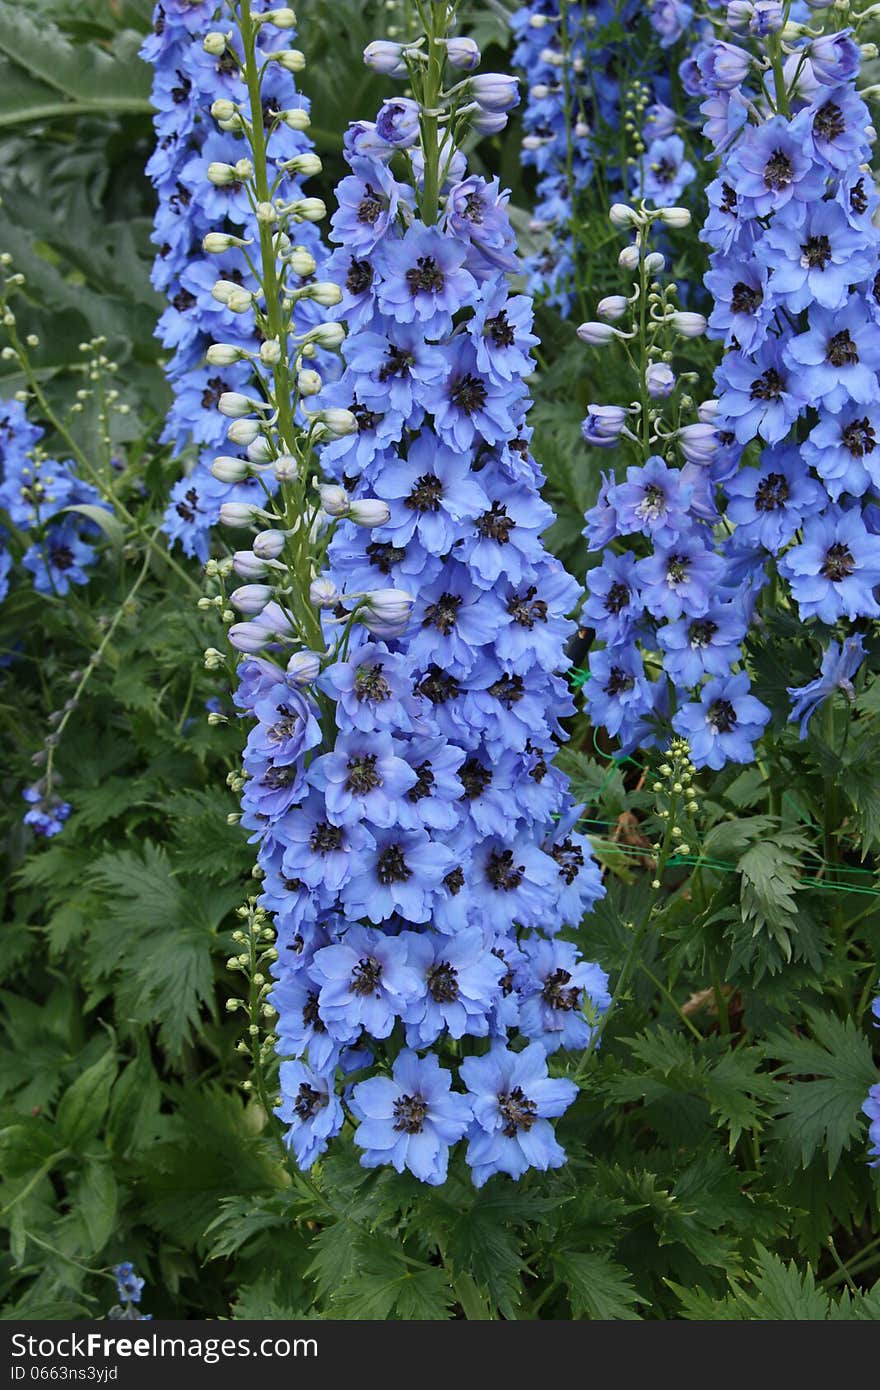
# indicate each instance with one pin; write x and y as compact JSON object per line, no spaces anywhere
{"x":413,"y":834}
{"x":207,"y":226}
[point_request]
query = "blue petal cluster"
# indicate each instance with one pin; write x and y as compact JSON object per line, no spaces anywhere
{"x":188,"y":81}
{"x":418,"y":868}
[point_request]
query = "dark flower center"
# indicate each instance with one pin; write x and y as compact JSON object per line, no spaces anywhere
{"x":473,"y":207}
{"x":359,"y":277}
{"x":366,"y":976}
{"x":502,"y":872}
{"x":443,"y":983}
{"x":443,"y":614}
{"x":61,"y":556}
{"x":186,"y":509}
{"x":423,"y":784}
{"x":768,"y":386}
{"x":398,"y":362}
{"x":311,"y":1017}
{"x":370,"y":684}
{"x":495,"y":524}
{"x":426,"y":276}
{"x":860,"y":438}
{"x":772,"y":493}
{"x":678,"y":569}
{"x":619,"y":681}
{"x":383,"y":555}
{"x":308,"y":1101}
{"x":701,"y":632}
{"x":842,"y":351}
{"x":426,"y":495}
{"x":858,"y":198}
{"x":722,"y":716}
{"x":518,"y":1111}
{"x":326,"y":838}
{"x":829,"y":123}
{"x":506,"y":981}
{"x":507,"y":690}
{"x":454,"y":881}
{"x":618,"y":597}
{"x":437,"y":686}
{"x":367,"y":420}
{"x":391,"y":867}
{"x":745,"y":299}
{"x":475,"y":778}
{"x":817,"y":252}
{"x":278,"y":777}
{"x":183,"y":301}
{"x":653,"y":504}
{"x":212,"y":392}
{"x":500,"y":330}
{"x":838,"y":563}
{"x":558,"y":993}
{"x":362,"y":774}
{"x":370,"y":206}
{"x":527,"y":610}
{"x":468,"y":393}
{"x":570,"y":858}
{"x":409,"y":1114}
{"x":778,"y":171}
{"x":286,"y":727}
{"x":665,"y":171}
{"x":728,"y":199}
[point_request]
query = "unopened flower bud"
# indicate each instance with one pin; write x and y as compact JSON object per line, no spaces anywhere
{"x":486,"y":122}
{"x":222,"y":354}
{"x":266,"y":214}
{"x":214,"y":43}
{"x":336,"y":423}
{"x":286,"y":469}
{"x":655,"y":261}
{"x":223,"y":110}
{"x":622,"y":215}
{"x":334,"y":499}
{"x":699,"y":443}
{"x":306,"y":165}
{"x":247,"y":565}
{"x":239,"y":513}
{"x":296,"y":118}
{"x":304,"y":667}
{"x":250,"y":599}
{"x":301,"y":262}
{"x":385,"y":58}
{"x":240,"y":301}
{"x":463,"y":54}
{"x":612,"y":307}
{"x":260,"y":450}
{"x":230,"y":470}
{"x":324,"y":292}
{"x":235,"y":405}
{"x":308,"y":210}
{"x":243,"y":432}
{"x":213,"y":659}
{"x":283,"y":18}
{"x":596,"y":334}
{"x":675,"y":217}
{"x":326,"y":335}
{"x":323,"y":593}
{"x":494,"y":91}
{"x":244,"y":170}
{"x":223,"y":289}
{"x":687,"y":324}
{"x":268,"y":545}
{"x":386,"y":612}
{"x":270,"y":352}
{"x":629,"y":258}
{"x":248,"y":637}
{"x":308,"y":382}
{"x":290,"y":59}
{"x":369,"y":511}
{"x":659,"y":380}
{"x":217,"y":242}
{"x":221,"y":175}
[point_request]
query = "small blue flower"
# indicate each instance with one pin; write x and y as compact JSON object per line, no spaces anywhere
{"x":725,"y":724}
{"x":310,"y":1106}
{"x":840,"y":661}
{"x":411,"y":1118}
{"x":835,"y":569}
{"x":513,"y":1100}
{"x":562,"y":995}
{"x":128,"y":1284}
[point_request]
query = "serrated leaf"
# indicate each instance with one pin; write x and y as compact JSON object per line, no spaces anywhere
{"x":597,"y":1287}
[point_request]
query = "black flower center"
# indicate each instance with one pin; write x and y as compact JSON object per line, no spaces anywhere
{"x":817,"y":252}
{"x":391,"y":867}
{"x":728,"y":199}
{"x":443,"y":983}
{"x":778,"y":171}
{"x":570,"y":858}
{"x":454,"y":880}
{"x":664,"y":171}
{"x":745,"y":298}
{"x":370,"y":684}
{"x":772,"y":493}
{"x":495,"y":524}
{"x":768,"y":386}
{"x":501,"y":871}
{"x":409,"y":1114}
{"x":423,"y":784}
{"x":617,"y":598}
{"x":326,"y":838}
{"x":500,"y":330}
{"x":507,"y":690}
{"x":398,"y":362}
{"x":558,"y":993}
{"x":468,"y":393}
{"x":437,"y":686}
{"x":518,"y":1111}
{"x":858,"y":198}
{"x":859,"y":438}
{"x":526,"y":610}
{"x":426,"y":276}
{"x":366,"y":976}
{"x":212,"y":392}
{"x":829,"y":122}
{"x":308,"y":1101}
{"x":426,"y":494}
{"x":619,"y":681}
{"x":362,"y":774}
{"x":678,"y":569}
{"x":838,"y":563}
{"x":359,"y":277}
{"x":367,"y":420}
{"x":284,"y":728}
{"x":475,"y":778}
{"x":383,"y":555}
{"x":311,"y":1017}
{"x":701,"y":632}
{"x":842,"y":351}
{"x":443,"y":614}
{"x":722,"y":716}
{"x":370,"y":206}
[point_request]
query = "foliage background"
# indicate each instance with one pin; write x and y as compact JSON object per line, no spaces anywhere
{"x":717,"y":1160}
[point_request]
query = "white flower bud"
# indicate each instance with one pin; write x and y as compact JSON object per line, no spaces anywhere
{"x":239,"y":513}
{"x":304,"y":667}
{"x":306,"y":165}
{"x":270,"y":352}
{"x":334,"y":499}
{"x":675,"y":217}
{"x":243,"y":431}
{"x":326,"y":335}
{"x":622,"y":215}
{"x":223,"y":110}
{"x":286,"y":469}
{"x":707,"y":412}
{"x":539,"y":91}
{"x":336,"y":423}
{"x":385,"y":58}
{"x":240,"y":301}
{"x":596,"y":334}
{"x":386,"y":612}
{"x":222,"y":354}
{"x":248,"y":637}
{"x":308,"y":210}
{"x":629,"y":258}
{"x":301,"y":262}
{"x":235,"y":406}
{"x":230,"y":470}
{"x":533,"y":142}
{"x":268,"y":545}
{"x":266,"y":214}
{"x":217,"y":242}
{"x":244,"y":170}
{"x":323,"y":593}
{"x":247,"y":565}
{"x":295,"y":118}
{"x":221,"y":175}
{"x":308,"y":382}
{"x":688,"y":325}
{"x":260,"y":450}
{"x":323,"y":292}
{"x":612,"y":307}
{"x":213,"y":659}
{"x":655,"y":261}
{"x":214,"y":43}
{"x":290,"y":59}
{"x":223,"y":289}
{"x":283,"y":18}
{"x":250,"y":599}
{"x":369,"y":511}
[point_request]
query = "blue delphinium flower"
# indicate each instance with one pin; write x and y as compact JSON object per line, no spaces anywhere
{"x":513,"y":1099}
{"x":411,"y":1118}
{"x":311,"y":1108}
{"x":48,"y":812}
{"x":840,"y":661}
{"x":725,"y":724}
{"x":871,"y":1108}
{"x":129,"y":1285}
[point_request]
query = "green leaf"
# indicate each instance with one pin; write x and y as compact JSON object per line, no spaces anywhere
{"x":108,"y":522}
{"x":83,"y":1106}
{"x":597,"y":1287}
{"x":96,"y":1199}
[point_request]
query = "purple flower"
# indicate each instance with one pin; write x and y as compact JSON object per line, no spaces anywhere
{"x":423,"y":279}
{"x":364,"y":981}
